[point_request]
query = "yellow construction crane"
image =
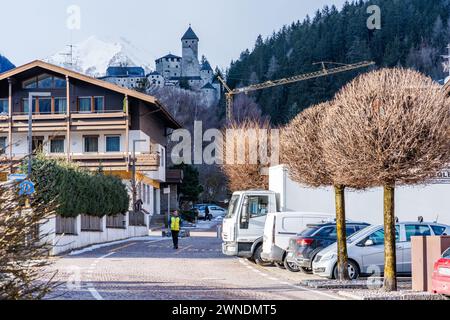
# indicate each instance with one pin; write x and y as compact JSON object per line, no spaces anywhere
{"x":273,"y":83}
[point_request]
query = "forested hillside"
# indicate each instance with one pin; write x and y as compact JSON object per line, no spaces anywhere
{"x":5,"y":64}
{"x":414,"y":33}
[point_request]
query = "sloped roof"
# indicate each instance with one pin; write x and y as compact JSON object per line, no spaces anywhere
{"x":169,"y":56}
{"x":106,"y":85}
{"x":125,"y":71}
{"x":208,"y":86}
{"x":206,"y":66}
{"x":190,"y":35}
{"x":154,"y":73}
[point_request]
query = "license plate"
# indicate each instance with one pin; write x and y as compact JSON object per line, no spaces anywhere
{"x":444,"y":271}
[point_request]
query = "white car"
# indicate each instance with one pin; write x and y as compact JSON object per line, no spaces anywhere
{"x":214,"y":211}
{"x":366,"y":250}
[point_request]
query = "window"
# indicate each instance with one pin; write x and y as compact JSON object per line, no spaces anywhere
{"x":37,"y":144}
{"x":30,"y":84}
{"x":4,"y":109}
{"x":258,"y":206}
{"x":2,"y":145}
{"x":99,"y":104}
{"x":438,"y":230}
{"x":84,"y":104}
{"x":378,"y":236}
{"x":60,"y":105}
{"x":144,"y":194}
{"x":45,"y":105}
{"x":446,"y":254}
{"x":25,"y":105}
{"x":91,"y":144}
{"x":113,"y":144}
{"x":45,"y":81}
{"x":326,"y":232}
{"x":60,"y":83}
{"x":57,"y":145}
{"x":413,"y":230}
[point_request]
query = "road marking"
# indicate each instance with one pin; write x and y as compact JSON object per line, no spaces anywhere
{"x":181,"y":250}
{"x":95,"y":293}
{"x":91,"y":288}
{"x":123,"y":247}
{"x":335,"y":297}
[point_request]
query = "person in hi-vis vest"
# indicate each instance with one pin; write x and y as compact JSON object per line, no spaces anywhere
{"x":175,"y":222}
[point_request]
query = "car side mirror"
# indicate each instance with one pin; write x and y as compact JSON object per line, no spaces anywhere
{"x":369,"y":243}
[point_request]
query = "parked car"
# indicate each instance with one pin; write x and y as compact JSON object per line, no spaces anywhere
{"x":366,"y":250}
{"x":440,"y":282}
{"x":279,"y":228}
{"x":214,"y":211}
{"x":306,"y":245}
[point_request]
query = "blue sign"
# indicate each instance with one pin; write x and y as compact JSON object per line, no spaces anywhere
{"x":17,"y":177}
{"x":26,"y":188}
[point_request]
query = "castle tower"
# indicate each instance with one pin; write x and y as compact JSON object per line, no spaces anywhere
{"x":190,"y":66}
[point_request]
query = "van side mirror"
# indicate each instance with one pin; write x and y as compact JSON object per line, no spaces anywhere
{"x":369,"y":243}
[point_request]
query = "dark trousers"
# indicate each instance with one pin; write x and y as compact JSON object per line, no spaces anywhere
{"x":175,"y":238}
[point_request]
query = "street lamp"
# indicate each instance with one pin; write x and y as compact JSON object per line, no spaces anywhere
{"x":133,"y":181}
{"x":32,"y":95}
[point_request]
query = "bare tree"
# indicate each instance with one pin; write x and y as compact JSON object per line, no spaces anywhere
{"x":387,"y":128}
{"x":302,"y":152}
{"x":245,"y":173}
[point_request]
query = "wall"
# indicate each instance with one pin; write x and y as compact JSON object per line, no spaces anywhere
{"x":430,"y":201}
{"x":66,"y":243}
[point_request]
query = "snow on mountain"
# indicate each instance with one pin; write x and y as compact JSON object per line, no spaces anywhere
{"x":93,"y":56}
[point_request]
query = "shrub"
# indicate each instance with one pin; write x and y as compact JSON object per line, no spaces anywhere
{"x":77,"y":191}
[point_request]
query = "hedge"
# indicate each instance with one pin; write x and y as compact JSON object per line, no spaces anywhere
{"x":77,"y":191}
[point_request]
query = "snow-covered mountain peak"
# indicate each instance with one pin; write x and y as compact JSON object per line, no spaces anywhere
{"x":93,"y":56}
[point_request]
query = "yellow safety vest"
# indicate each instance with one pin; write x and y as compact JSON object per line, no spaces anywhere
{"x":175,"y":224}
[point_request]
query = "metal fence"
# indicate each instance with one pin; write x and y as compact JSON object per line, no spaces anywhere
{"x":116,"y":222}
{"x":90,"y":223}
{"x":137,"y":219}
{"x":66,"y":225}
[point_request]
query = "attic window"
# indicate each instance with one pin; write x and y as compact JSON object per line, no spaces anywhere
{"x":44,"y":81}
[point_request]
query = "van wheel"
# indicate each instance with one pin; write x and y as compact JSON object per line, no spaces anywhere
{"x":291,"y":266}
{"x":280,"y":265}
{"x":353,"y":270}
{"x":257,"y":257}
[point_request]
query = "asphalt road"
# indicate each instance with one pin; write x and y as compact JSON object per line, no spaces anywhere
{"x":151,"y":269}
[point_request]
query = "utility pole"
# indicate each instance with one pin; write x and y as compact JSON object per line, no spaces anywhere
{"x":302,"y":77}
{"x":133,"y":168}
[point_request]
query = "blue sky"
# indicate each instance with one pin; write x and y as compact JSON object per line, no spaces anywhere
{"x":38,"y":29}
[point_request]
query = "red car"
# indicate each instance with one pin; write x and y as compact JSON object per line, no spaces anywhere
{"x":441,"y":275}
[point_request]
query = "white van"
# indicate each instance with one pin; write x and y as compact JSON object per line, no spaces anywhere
{"x":280,"y":227}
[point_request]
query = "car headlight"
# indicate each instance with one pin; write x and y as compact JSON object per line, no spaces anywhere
{"x":328,"y":257}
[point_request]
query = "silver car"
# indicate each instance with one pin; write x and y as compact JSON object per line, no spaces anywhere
{"x":366,"y":250}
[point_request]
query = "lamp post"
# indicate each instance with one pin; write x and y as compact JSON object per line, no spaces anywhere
{"x":32,"y":95}
{"x":133,"y":180}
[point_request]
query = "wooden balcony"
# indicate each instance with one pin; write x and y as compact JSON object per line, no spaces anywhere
{"x":105,"y":161}
{"x":45,"y":122}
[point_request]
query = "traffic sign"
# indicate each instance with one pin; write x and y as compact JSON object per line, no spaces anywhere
{"x":26,"y":187}
{"x":17,"y":177}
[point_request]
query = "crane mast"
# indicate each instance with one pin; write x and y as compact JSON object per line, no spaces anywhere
{"x":274,"y":83}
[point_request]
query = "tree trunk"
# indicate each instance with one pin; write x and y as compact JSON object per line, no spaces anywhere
{"x":342,"y":264}
{"x":390,"y":263}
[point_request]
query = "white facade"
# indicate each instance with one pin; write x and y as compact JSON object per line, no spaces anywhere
{"x":430,"y":202}
{"x":66,"y":243}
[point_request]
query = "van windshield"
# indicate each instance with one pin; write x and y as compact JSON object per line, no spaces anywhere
{"x":232,"y":208}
